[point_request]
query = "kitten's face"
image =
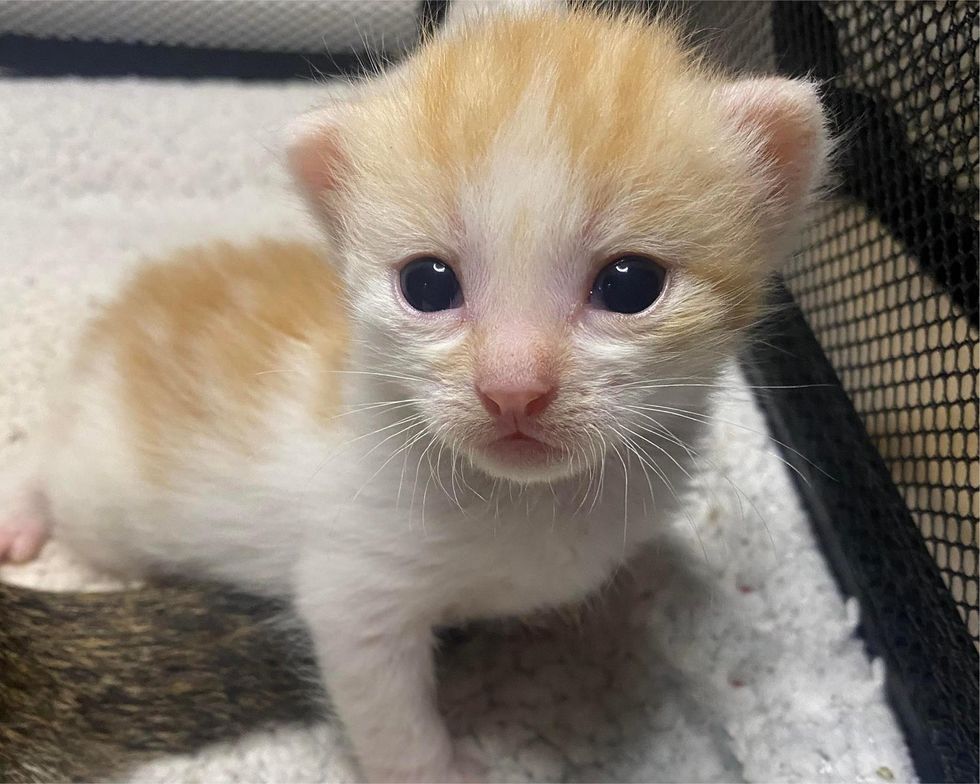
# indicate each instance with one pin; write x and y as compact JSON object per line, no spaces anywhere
{"x":552,"y":221}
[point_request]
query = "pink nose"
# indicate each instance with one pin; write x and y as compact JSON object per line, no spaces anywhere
{"x":516,"y":402}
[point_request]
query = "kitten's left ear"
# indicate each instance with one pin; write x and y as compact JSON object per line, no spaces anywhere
{"x":786,"y":129}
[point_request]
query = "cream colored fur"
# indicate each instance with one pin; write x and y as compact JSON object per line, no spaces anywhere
{"x":389,"y":520}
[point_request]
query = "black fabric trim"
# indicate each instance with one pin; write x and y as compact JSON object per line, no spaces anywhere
{"x":26,"y":57}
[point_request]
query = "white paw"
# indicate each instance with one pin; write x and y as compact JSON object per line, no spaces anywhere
{"x":22,"y":537}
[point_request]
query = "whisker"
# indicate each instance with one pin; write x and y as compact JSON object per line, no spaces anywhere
{"x":277,"y":372}
{"x":379,"y":374}
{"x":720,"y":386}
{"x":740,"y":493}
{"x":382,"y":404}
{"x":401,"y":477}
{"x":592,"y":466}
{"x":602,"y":469}
{"x":375,"y":432}
{"x":695,"y":455}
{"x":463,"y":481}
{"x":405,"y":446}
{"x":344,"y":444}
{"x":653,"y":498}
{"x":438,"y":476}
{"x":680,"y":505}
{"x":696,"y":416}
{"x":661,"y":449}
{"x":416,"y":422}
{"x":626,"y":492}
{"x":418,"y":469}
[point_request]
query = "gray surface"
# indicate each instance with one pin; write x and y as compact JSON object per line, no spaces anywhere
{"x":268,"y":25}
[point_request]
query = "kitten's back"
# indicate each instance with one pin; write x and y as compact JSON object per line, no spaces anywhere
{"x":186,"y":389}
{"x":202,"y":340}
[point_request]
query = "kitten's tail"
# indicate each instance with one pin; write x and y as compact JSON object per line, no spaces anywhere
{"x":161,"y":669}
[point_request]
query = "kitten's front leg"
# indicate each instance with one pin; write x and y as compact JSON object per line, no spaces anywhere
{"x":377,"y":662}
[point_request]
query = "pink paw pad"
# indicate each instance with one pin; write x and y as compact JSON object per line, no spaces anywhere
{"x":22,"y":537}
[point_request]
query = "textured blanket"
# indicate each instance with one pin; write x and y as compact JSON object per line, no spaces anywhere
{"x":733,"y":656}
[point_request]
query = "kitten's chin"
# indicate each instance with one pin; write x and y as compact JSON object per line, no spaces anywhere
{"x":522,"y":459}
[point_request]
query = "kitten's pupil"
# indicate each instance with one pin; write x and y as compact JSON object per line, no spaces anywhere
{"x":630,"y":284}
{"x":429,"y":284}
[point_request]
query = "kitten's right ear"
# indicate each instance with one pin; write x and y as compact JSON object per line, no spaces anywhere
{"x":314,"y":153}
{"x":317,"y":159}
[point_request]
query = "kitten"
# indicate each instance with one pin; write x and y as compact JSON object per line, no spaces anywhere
{"x":546,"y":230}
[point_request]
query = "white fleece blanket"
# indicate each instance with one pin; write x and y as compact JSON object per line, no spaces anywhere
{"x":739,"y":663}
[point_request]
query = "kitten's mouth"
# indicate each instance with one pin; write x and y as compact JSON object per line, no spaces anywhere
{"x":519,"y":436}
{"x":522,"y":457}
{"x":521,"y":448}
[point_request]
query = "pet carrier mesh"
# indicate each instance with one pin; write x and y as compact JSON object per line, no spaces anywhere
{"x":888,"y":275}
{"x":886,"y":282}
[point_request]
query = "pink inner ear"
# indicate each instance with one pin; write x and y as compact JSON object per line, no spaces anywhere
{"x":785,"y":116}
{"x":315,"y":160}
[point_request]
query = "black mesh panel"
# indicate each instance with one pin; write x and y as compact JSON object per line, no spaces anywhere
{"x":880,"y":313}
{"x":888,"y":275}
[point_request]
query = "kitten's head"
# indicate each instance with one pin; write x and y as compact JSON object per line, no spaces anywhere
{"x":545,"y":215}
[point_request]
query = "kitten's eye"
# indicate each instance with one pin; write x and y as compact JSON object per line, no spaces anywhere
{"x":429,"y":284}
{"x":628,"y":285}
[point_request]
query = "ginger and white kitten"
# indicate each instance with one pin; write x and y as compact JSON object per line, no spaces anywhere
{"x":546,"y":229}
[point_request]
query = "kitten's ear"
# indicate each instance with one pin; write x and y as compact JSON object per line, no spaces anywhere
{"x":316,"y":156}
{"x":314,"y":152}
{"x":784,"y":123}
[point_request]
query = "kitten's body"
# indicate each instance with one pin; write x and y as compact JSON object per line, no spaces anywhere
{"x":292,"y":474}
{"x":256,"y":416}
{"x":292,"y":498}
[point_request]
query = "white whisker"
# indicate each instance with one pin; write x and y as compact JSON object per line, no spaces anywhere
{"x":707,"y":419}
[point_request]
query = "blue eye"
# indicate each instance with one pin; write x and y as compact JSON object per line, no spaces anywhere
{"x":630,"y":284}
{"x":429,"y":284}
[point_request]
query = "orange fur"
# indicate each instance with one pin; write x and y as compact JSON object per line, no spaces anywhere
{"x":530,"y":148}
{"x":634,"y":111}
{"x":528,"y":151}
{"x":199,"y":342}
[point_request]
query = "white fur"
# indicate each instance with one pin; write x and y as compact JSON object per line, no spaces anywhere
{"x":376,"y":554}
{"x":384,"y":527}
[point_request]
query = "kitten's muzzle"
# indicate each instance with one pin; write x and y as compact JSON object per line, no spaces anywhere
{"x":518,"y":437}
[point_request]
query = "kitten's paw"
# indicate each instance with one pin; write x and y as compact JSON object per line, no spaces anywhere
{"x":22,"y":536}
